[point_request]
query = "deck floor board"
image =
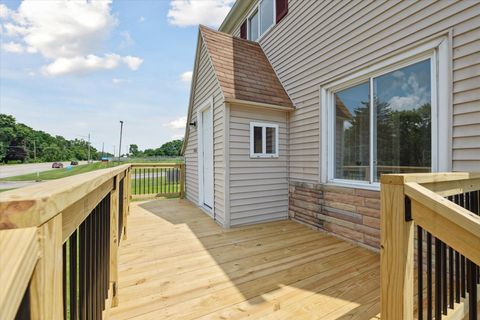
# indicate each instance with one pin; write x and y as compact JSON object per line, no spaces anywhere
{"x":179,"y":264}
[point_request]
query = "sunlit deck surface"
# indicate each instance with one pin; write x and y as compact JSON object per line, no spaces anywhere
{"x":177,"y":263}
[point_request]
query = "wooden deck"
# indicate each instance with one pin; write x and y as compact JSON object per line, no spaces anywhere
{"x":179,"y":264}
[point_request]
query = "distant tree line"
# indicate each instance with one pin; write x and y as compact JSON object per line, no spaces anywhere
{"x":169,"y":149}
{"x":17,"y":144}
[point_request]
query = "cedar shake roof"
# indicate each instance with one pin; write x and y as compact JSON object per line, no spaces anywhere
{"x":243,"y":70}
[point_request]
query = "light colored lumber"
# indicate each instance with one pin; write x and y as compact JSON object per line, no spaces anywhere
{"x":445,"y":208}
{"x":74,"y":215}
{"x":114,"y":237}
{"x":32,"y":206}
{"x":449,"y":188}
{"x":396,"y":255}
{"x":423,"y":178}
{"x":46,"y":288}
{"x":195,"y":269}
{"x":19,"y":250}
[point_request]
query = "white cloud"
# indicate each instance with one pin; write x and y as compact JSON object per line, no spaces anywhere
{"x":132,"y":62}
{"x":186,"y":13}
{"x":177,"y":123}
{"x":13,"y":47}
{"x":141,"y":19}
{"x":88,"y":64}
{"x":118,"y":80}
{"x":186,"y":76}
{"x":5,"y":12}
{"x":127,"y":39}
{"x":68,"y":33}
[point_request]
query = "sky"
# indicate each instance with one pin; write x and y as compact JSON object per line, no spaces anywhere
{"x":74,"y":68}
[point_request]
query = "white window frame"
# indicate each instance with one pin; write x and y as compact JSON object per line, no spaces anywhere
{"x":264,"y":127}
{"x":256,"y":8}
{"x":438,"y":53}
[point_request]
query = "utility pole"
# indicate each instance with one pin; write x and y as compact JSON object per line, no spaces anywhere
{"x":120,"y":145}
{"x":88,"y":148}
{"x":114,"y":152}
{"x":35,"y":158}
{"x":103,"y":145}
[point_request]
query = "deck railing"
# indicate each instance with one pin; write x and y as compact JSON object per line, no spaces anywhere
{"x":157,"y":180}
{"x":59,"y":242}
{"x":430,"y":223}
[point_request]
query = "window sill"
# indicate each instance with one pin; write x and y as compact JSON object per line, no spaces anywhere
{"x":264,"y":157}
{"x":355,"y":185}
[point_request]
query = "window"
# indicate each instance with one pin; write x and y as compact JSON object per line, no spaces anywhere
{"x":388,"y":118}
{"x":263,"y":140}
{"x":253,"y":26}
{"x":261,"y":19}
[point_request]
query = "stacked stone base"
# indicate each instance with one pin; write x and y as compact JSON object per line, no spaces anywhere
{"x":349,"y":213}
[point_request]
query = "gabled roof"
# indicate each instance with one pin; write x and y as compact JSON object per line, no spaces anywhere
{"x":242,"y":69}
{"x":243,"y":72}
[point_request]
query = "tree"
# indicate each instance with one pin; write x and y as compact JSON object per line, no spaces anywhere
{"x":17,"y":139}
{"x":133,"y":150}
{"x":171,"y":148}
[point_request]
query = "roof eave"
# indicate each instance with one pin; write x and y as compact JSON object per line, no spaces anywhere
{"x":237,"y":11}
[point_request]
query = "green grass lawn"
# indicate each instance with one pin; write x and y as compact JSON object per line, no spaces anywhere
{"x":62,"y":173}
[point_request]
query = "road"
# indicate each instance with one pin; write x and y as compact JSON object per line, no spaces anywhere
{"x":20,"y":169}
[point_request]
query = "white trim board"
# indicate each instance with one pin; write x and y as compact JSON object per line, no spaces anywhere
{"x":206,"y":105}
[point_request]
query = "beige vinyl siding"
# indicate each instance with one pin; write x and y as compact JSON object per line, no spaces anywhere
{"x":207,"y":87}
{"x":258,"y":187}
{"x":321,"y":40}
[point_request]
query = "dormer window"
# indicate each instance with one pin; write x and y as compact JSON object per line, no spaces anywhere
{"x":263,"y":16}
{"x":261,"y":19}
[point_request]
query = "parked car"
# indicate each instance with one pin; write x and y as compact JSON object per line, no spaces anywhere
{"x":57,"y":165}
{"x":73,"y":163}
{"x":104,"y":159}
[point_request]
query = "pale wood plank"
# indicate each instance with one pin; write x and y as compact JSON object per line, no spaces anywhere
{"x":46,"y":288}
{"x":20,"y":252}
{"x":177,"y":263}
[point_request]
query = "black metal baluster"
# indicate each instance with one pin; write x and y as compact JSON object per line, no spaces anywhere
{"x":429,"y":277}
{"x":451,"y":258}
{"x":73,"y":275}
{"x":438,"y":279}
{"x":444,"y":279}
{"x":462,"y":277}
{"x":65,"y":278}
{"x":420,"y":271}
{"x":82,"y":273}
{"x":457,"y":277}
{"x":472,"y":270}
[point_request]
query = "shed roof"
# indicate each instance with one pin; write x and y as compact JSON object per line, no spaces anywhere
{"x":243,"y":70}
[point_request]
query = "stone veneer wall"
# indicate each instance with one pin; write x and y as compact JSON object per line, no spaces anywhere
{"x":353,"y":214}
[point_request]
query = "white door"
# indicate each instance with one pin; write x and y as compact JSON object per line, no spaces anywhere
{"x":207,"y":149}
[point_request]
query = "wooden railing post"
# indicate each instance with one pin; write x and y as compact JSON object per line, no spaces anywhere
{"x":396,"y":255}
{"x":114,"y":240}
{"x":46,"y":288}
{"x":126,"y":196}
{"x":182,"y":181}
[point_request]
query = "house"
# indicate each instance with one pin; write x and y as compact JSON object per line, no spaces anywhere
{"x":298,"y":107}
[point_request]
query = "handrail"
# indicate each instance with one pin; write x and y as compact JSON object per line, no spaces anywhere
{"x":409,"y":199}
{"x":454,"y":225}
{"x":19,"y":248}
{"x":81,"y":217}
{"x":34,"y":205}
